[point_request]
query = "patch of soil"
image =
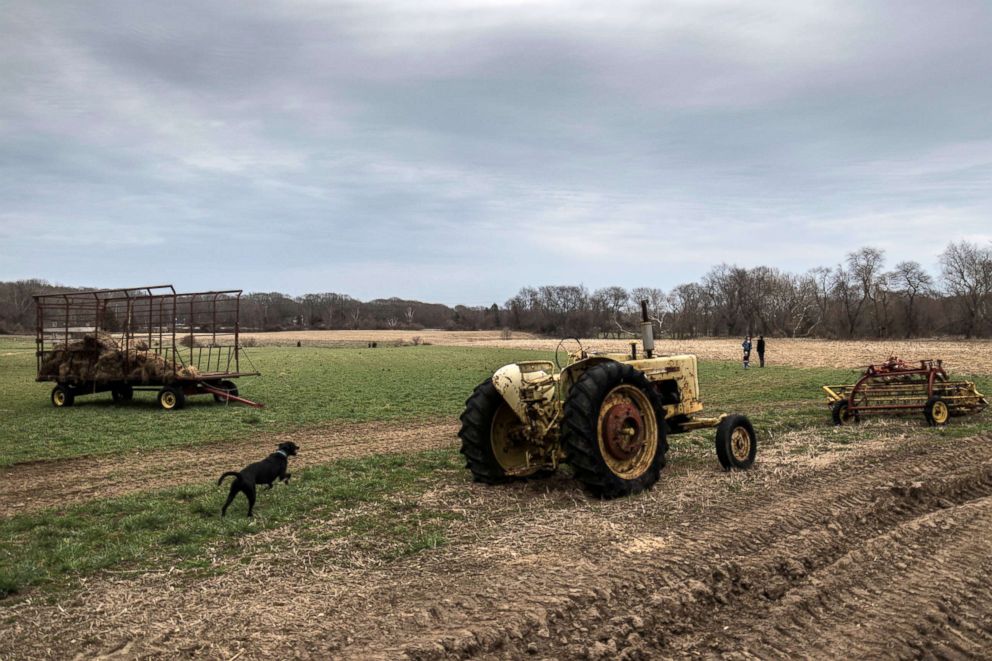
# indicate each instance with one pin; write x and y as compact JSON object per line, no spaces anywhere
{"x":882,"y":551}
{"x":34,"y":486}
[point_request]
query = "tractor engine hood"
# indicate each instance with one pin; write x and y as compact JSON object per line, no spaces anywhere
{"x":520,"y":383}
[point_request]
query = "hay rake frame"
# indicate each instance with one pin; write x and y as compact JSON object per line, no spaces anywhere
{"x":899,"y":387}
{"x":193,"y":338}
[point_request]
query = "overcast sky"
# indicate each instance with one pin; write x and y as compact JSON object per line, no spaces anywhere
{"x":456,"y":151}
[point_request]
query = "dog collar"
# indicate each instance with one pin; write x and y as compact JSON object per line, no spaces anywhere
{"x":283,"y":453}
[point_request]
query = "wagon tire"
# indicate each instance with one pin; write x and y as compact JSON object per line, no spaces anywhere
{"x":613,"y":431}
{"x":123,"y":393}
{"x":171,"y":398}
{"x":489,"y":450}
{"x":936,"y":412}
{"x":62,"y":396}
{"x":841,"y":415}
{"x":228,"y":386}
{"x":736,"y":442}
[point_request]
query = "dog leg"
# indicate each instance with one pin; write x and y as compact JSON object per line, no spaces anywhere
{"x":250,"y":492}
{"x":230,"y":497}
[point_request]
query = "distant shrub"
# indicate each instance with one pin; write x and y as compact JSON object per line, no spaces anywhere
{"x":506,"y":334}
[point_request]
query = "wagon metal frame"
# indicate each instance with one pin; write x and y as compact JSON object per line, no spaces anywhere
{"x":899,"y":387}
{"x":194,"y":337}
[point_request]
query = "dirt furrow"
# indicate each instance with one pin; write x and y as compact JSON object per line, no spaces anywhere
{"x":903,"y":592}
{"x":743,"y":562}
{"x":35,"y":486}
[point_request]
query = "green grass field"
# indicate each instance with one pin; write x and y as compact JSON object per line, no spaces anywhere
{"x":305,"y":387}
{"x":300,"y":387}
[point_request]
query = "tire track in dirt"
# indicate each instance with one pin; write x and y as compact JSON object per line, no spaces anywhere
{"x":39,"y":485}
{"x":749,"y":580}
{"x":881,"y":552}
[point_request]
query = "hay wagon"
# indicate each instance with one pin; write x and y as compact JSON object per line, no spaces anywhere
{"x":120,"y":341}
{"x":899,"y":387}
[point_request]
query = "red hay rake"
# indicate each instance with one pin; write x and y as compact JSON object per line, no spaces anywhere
{"x":896,"y":386}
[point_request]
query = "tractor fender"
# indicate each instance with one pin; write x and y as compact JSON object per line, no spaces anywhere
{"x":511,"y":380}
{"x":571,"y":374}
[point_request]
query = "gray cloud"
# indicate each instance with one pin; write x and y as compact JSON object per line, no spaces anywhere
{"x":455,"y":151}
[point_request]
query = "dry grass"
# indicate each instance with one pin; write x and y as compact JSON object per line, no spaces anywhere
{"x":959,"y":356}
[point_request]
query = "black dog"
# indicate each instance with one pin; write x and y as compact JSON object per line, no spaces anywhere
{"x":267,"y":471}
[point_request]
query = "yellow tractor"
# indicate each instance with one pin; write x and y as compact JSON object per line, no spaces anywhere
{"x":607,"y":415}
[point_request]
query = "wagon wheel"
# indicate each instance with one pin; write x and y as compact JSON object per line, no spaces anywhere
{"x":841,"y":414}
{"x":227,"y":386}
{"x":613,"y":430}
{"x":62,"y":396}
{"x":936,"y":412}
{"x":171,"y":398}
{"x":736,"y":442}
{"x":122,"y":393}
{"x":493,"y":443}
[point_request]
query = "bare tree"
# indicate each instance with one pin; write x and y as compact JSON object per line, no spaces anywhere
{"x":857,"y":287}
{"x":688,"y":308}
{"x":912,"y":282}
{"x":966,"y":270}
{"x":611,"y":305}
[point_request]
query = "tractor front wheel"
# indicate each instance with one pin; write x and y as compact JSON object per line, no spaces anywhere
{"x":614,"y":431}
{"x":493,"y":443}
{"x":736,"y":442}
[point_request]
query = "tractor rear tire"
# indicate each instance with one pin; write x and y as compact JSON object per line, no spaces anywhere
{"x":841,"y":415}
{"x":736,"y":442}
{"x":936,"y":411}
{"x":62,"y":396}
{"x":613,"y":431}
{"x":489,"y":452}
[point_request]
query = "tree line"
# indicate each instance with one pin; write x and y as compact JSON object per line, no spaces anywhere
{"x":859,"y":297}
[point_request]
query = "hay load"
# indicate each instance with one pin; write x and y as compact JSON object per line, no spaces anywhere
{"x":99,"y":357}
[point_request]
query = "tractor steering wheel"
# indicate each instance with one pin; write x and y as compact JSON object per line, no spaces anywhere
{"x":561,"y":344}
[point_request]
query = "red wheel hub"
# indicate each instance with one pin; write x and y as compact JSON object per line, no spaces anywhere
{"x":623,"y":430}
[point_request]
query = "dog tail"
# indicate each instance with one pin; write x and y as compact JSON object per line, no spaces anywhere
{"x":225,"y":475}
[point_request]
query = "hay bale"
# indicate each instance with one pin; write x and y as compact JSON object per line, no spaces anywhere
{"x":188,"y":372}
{"x":109,"y":366}
{"x":99,"y":357}
{"x":53,"y":362}
{"x":146,"y":367}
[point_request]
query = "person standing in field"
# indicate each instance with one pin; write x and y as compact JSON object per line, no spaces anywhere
{"x":761,"y":351}
{"x":746,"y":346}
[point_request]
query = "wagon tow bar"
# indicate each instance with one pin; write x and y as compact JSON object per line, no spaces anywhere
{"x":231,"y":398}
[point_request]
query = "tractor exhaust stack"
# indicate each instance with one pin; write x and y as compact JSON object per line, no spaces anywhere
{"x":647,"y":331}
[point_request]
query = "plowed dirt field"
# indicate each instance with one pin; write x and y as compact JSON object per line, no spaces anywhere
{"x":880,"y":549}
